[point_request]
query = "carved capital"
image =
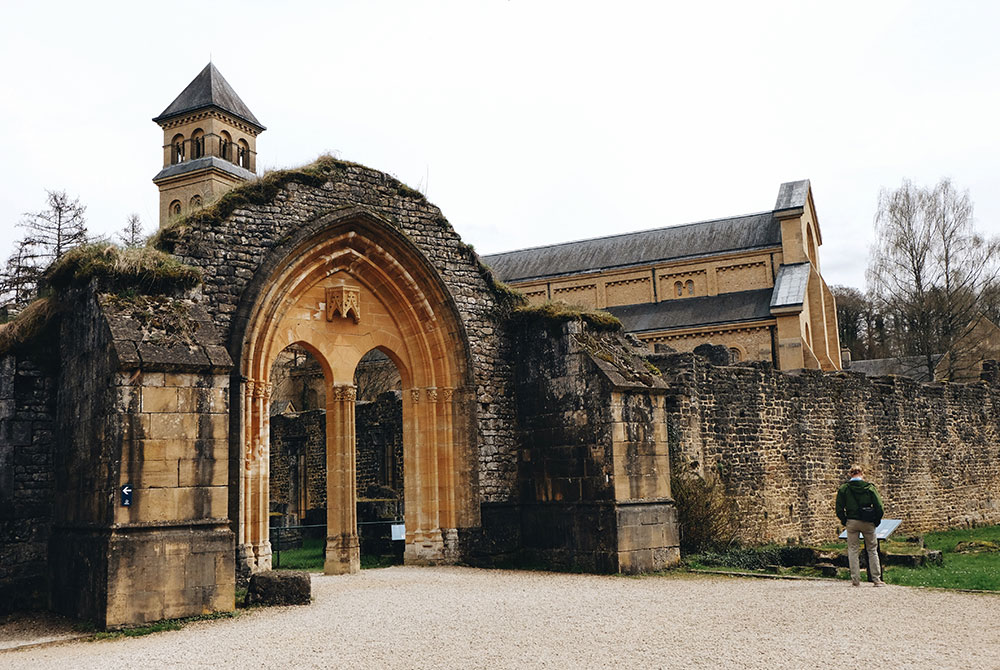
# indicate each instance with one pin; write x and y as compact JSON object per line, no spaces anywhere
{"x":447,"y":394}
{"x":432,"y":394}
{"x":415,"y":395}
{"x":345,"y":392}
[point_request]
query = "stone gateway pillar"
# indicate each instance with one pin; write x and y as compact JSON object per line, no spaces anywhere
{"x":343,"y":552}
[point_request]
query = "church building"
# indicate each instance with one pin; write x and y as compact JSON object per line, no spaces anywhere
{"x":751,"y":283}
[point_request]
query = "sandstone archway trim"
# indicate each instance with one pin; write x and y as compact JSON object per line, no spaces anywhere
{"x":409,"y":314}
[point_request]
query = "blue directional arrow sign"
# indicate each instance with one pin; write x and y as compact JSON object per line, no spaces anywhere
{"x":127,"y":495}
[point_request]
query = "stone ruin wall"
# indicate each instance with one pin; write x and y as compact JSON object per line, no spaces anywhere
{"x":782,"y":444}
{"x":293,"y":436}
{"x":379,"y":429}
{"x":27,"y":480}
{"x":232,"y":251}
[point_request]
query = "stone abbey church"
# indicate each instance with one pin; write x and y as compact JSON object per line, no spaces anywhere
{"x":144,"y":448}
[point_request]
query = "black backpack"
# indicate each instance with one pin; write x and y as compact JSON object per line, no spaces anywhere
{"x":867,"y":512}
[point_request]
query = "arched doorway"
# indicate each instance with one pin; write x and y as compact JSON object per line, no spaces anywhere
{"x":350,"y":285}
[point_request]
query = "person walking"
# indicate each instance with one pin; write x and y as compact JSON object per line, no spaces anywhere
{"x":859,"y":508}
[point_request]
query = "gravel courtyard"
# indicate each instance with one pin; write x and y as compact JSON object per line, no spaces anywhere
{"x":466,"y":618}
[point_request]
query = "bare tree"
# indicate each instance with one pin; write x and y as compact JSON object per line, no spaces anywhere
{"x":49,"y":234}
{"x":376,"y":374}
{"x":131,"y":235}
{"x":861,"y":326}
{"x":928,"y":272}
{"x":56,"y":230}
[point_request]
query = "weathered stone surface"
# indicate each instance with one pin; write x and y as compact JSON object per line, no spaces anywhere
{"x":782,"y":444}
{"x":27,"y":446}
{"x":279,"y":587}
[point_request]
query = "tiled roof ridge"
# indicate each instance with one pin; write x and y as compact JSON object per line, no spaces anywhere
{"x":634,"y":232}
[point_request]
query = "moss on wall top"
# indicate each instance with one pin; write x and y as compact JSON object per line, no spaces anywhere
{"x":143,"y":270}
{"x":262,"y":191}
{"x":558,"y":313}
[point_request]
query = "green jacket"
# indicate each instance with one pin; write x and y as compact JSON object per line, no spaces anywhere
{"x":862,"y":493}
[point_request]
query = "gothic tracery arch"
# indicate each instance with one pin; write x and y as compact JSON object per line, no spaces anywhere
{"x":354,"y":285}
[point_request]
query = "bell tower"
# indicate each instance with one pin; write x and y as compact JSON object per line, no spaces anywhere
{"x":209,"y":145}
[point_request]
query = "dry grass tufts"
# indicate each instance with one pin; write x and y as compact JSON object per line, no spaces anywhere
{"x":28,"y":325}
{"x":142,"y":269}
{"x":557,"y":313}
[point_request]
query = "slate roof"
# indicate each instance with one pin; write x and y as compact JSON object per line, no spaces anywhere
{"x":690,"y":240}
{"x":703,"y":311}
{"x":790,"y":285}
{"x":792,"y":195}
{"x":209,"y":89}
{"x":914,"y":367}
{"x":204,"y":162}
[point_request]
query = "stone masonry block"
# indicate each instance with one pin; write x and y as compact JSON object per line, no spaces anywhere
{"x":158,"y":399}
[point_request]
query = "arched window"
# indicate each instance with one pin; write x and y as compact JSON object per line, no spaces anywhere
{"x":810,"y":245}
{"x":198,"y":143}
{"x":175,"y":208}
{"x":690,"y":287}
{"x":177,"y":149}
{"x":734,"y":355}
{"x":809,"y":337}
{"x":195,"y":202}
{"x":226,"y":146}
{"x":243,"y":154}
{"x":678,"y":288}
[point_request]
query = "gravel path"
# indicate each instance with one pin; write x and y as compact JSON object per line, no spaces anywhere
{"x":466,"y":618}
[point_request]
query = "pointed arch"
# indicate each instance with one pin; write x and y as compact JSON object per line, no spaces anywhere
{"x":396,"y":303}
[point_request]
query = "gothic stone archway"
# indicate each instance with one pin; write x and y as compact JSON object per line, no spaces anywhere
{"x":355,"y":285}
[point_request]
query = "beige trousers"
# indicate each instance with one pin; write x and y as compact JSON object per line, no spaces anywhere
{"x":855,"y":529}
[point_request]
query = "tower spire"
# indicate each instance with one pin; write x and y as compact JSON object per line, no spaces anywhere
{"x":209,"y":144}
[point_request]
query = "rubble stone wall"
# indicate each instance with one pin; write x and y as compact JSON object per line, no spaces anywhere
{"x":27,"y":484}
{"x":782,"y":444}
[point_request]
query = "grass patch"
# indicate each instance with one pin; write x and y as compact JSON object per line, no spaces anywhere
{"x":557,"y":313}
{"x":29,"y":324}
{"x":971,"y":560}
{"x":960,"y":569}
{"x":140,"y":269}
{"x":160,"y":626}
{"x":311,"y":555}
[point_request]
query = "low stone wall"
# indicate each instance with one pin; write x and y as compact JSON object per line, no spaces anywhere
{"x":27,"y":487}
{"x":782,"y":444}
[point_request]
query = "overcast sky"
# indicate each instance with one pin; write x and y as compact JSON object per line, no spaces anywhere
{"x":528,"y":123}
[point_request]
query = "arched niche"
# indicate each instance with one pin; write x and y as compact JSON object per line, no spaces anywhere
{"x":348,"y":283}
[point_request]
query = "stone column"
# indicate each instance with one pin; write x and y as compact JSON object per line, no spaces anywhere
{"x":245,"y":559}
{"x":262,"y":548}
{"x":424,"y":543}
{"x":447,"y":477}
{"x":343,"y":552}
{"x":257,"y":486}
